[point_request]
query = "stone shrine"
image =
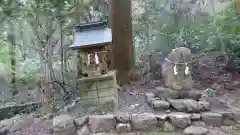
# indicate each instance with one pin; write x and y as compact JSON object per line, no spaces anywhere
{"x":176,"y":70}
{"x":95,"y":81}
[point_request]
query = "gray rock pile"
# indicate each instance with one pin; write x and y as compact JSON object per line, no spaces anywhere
{"x":178,"y":100}
{"x":123,"y":122}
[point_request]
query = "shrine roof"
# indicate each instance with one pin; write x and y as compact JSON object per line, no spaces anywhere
{"x":87,"y":36}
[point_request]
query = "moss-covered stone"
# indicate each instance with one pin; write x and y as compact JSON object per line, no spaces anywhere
{"x":99,"y":90}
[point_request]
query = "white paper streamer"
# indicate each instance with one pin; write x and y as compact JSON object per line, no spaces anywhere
{"x":186,"y":69}
{"x":175,"y":70}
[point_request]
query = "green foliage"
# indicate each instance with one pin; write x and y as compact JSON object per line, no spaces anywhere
{"x":229,"y":22}
{"x":4,"y":53}
{"x":27,"y":69}
{"x":200,"y":31}
{"x":40,"y":31}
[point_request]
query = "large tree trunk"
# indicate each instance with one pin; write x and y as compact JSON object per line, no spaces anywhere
{"x":123,"y":55}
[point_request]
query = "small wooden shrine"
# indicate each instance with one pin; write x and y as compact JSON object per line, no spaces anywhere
{"x":94,"y":79}
{"x":92,"y":42}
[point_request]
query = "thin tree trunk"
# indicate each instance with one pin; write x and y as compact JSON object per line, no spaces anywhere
{"x":62,"y":53}
{"x":13,"y":60}
{"x":123,"y":59}
{"x":150,"y":68}
{"x":63,"y":62}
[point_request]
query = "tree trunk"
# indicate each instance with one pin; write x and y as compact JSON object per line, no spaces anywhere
{"x":13,"y":60}
{"x":123,"y":53}
{"x":62,"y":53}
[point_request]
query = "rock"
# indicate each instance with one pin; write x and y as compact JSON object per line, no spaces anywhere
{"x":49,"y":116}
{"x":84,"y":131}
{"x":7,"y":124}
{"x":229,"y":86}
{"x":192,"y":105}
{"x":123,"y":127}
{"x":63,"y":125}
{"x":180,"y":120}
{"x":122,"y":117}
{"x":16,"y":123}
{"x":182,"y":94}
{"x":194,"y":95}
{"x":195,"y":130}
{"x":228,"y":117}
{"x":143,"y":121}
{"x":22,"y":124}
{"x":161,"y":117}
{"x":211,"y":118}
{"x":236,"y":84}
{"x":204,"y":97}
{"x":168,"y":111}
{"x":165,"y":93}
{"x":4,"y":131}
{"x":236,"y":113}
{"x":218,"y":131}
{"x":195,"y":116}
{"x":168,"y":127}
{"x":229,"y":122}
{"x":178,"y":55}
{"x":62,"y":121}
{"x":228,"y":129}
{"x":178,"y":104}
{"x":204,"y":105}
{"x":160,"y":104}
{"x":150,"y":97}
{"x":104,"y":134}
{"x":17,"y":108}
{"x":227,"y":114}
{"x":101,"y":123}
{"x":198,"y":123}
{"x":187,"y":105}
{"x":217,"y":87}
{"x":81,"y":121}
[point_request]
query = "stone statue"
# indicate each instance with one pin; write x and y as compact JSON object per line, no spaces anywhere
{"x":176,"y":69}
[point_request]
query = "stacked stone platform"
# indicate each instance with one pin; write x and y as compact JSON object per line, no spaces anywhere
{"x":178,"y":101}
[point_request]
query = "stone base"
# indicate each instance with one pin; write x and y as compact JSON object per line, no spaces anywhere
{"x":166,"y":99}
{"x":99,"y":90}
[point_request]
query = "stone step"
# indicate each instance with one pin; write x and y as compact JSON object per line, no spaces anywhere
{"x":165,"y":93}
{"x":189,"y":105}
{"x":181,"y":105}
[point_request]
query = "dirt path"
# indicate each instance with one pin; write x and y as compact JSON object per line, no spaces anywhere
{"x":132,"y":101}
